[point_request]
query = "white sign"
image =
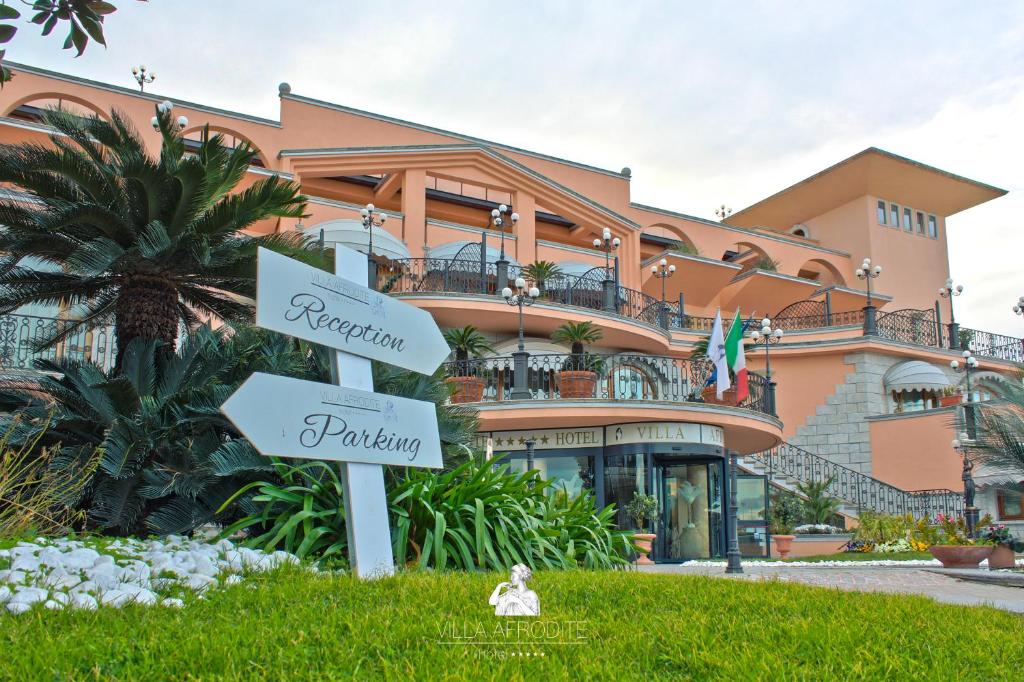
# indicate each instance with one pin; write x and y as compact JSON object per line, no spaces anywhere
{"x":548,"y":439}
{"x":664,"y":432}
{"x":299,"y":300}
{"x":285,"y":417}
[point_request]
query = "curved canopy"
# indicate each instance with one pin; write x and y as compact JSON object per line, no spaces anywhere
{"x":452,"y":249}
{"x":351,"y":233}
{"x":916,"y":375}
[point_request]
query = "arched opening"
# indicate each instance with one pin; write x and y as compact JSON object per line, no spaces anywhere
{"x":750,"y":257}
{"x":664,"y":237}
{"x":821,"y":271}
{"x":194,"y":137}
{"x":31,"y":108}
{"x":800,"y":231}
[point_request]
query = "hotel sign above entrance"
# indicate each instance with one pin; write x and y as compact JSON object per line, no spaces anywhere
{"x":598,"y":436}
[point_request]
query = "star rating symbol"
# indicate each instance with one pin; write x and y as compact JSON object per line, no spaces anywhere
{"x":544,"y":440}
{"x":522,"y":441}
{"x":498,"y":442}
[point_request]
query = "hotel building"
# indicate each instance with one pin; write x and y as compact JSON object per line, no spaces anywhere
{"x":860,"y":389}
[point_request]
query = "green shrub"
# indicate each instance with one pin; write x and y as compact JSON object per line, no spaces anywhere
{"x":878,"y":528}
{"x":819,"y":507}
{"x":642,"y":508}
{"x":784,"y":512}
{"x":472,"y":517}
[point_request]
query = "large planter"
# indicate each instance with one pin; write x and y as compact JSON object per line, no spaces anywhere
{"x":960,"y":556}
{"x":710,"y":395}
{"x":783,"y":544}
{"x":577,"y":384}
{"x":643,"y":547}
{"x":467,"y":389}
{"x":1002,"y":556}
{"x":949,"y":400}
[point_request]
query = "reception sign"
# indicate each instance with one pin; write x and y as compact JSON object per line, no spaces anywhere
{"x":299,"y":300}
{"x":320,"y":421}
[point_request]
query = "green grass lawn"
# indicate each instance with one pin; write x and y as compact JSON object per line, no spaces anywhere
{"x":291,"y":625}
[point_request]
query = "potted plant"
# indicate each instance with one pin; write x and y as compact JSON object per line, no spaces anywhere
{"x":578,"y":375}
{"x":1004,"y":546}
{"x":466,"y":342}
{"x":540,"y":272}
{"x":643,"y":508}
{"x":784,"y":514}
{"x":950,"y":396}
{"x":957,"y":549}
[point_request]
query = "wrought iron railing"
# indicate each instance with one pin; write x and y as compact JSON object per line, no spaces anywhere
{"x":20,"y":336}
{"x":856,"y":488}
{"x":918,"y":327}
{"x":620,"y":377}
{"x":991,"y":345}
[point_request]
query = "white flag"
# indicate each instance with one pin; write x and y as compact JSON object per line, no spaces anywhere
{"x":716,"y":351}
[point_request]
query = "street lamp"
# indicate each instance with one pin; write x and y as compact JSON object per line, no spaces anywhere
{"x":767,"y":336}
{"x":165,"y":107}
{"x":663,"y":271}
{"x":1019,"y":308}
{"x":949,"y":291}
{"x":960,"y":445}
{"x":142,"y":76}
{"x":866,"y":272}
{"x":522,"y":296}
{"x":970,"y":363}
{"x":372,"y":217}
{"x":498,"y":222}
{"x":734,"y":560}
{"x":723,"y":212}
{"x":608,"y":244}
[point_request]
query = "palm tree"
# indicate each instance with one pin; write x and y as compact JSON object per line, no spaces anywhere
{"x":575,"y":334}
{"x":466,"y":342}
{"x":153,"y":242}
{"x":819,"y":507}
{"x":542,"y":271}
{"x":999,"y":425}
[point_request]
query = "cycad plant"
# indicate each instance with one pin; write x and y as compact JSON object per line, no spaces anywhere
{"x":153,"y":242}
{"x":999,"y":425}
{"x":541,"y":272}
{"x":819,"y":507}
{"x":466,"y":342}
{"x":575,"y":335}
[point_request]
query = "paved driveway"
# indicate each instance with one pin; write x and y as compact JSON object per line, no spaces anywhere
{"x":941,"y":586}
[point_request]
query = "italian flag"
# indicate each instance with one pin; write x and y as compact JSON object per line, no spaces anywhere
{"x":735,"y":357}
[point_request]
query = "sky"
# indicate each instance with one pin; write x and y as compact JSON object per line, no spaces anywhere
{"x":707,"y":103}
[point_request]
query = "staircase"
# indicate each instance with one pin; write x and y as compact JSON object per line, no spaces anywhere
{"x":788,"y":465}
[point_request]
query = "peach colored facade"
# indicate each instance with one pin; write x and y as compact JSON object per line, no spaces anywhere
{"x":795,"y":251}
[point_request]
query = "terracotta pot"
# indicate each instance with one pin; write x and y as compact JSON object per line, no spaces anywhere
{"x":783,"y":544}
{"x":960,"y":556}
{"x":467,"y":389}
{"x":710,"y":395}
{"x":1002,"y":556}
{"x":643,"y":546}
{"x":949,"y":400}
{"x":577,"y":384}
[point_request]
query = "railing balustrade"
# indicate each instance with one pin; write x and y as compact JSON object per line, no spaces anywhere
{"x":856,"y":488}
{"x":20,"y":336}
{"x":620,"y":377}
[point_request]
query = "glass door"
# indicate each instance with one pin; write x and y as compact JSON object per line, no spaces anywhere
{"x":690,"y":526}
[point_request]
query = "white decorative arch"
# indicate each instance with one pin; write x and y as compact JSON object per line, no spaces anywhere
{"x":351,"y":233}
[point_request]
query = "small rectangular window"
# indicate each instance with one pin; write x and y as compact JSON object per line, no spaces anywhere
{"x":933,"y":226}
{"x":881,"y":213}
{"x":1010,"y":504}
{"x":907,"y":223}
{"x":920,"y":222}
{"x":894,"y":215}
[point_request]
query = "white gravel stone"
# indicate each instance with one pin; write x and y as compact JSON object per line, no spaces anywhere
{"x":17,"y":607}
{"x":53,"y":605}
{"x":28,"y":595}
{"x":84,"y":601}
{"x":173,"y":603}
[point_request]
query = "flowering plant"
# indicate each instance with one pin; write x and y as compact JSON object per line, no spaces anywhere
{"x":999,"y":535}
{"x":859,"y":546}
{"x":953,"y":529}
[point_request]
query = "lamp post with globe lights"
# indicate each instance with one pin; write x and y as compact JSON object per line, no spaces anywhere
{"x":960,"y":446}
{"x":142,"y":76}
{"x":949,"y":291}
{"x":767,"y":336}
{"x":867,"y":272}
{"x":372,"y":218}
{"x":607,"y":243}
{"x":1019,"y":308}
{"x":969,"y":364}
{"x":663,"y":271}
{"x":521,"y":297}
{"x":166,"y":107}
{"x":498,"y":217}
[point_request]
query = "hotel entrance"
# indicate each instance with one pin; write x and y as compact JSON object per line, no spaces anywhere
{"x":692,"y":521}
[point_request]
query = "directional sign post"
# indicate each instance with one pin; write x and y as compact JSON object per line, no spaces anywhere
{"x":345,"y":422}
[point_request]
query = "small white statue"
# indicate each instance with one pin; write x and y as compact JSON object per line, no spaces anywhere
{"x":516,"y":599}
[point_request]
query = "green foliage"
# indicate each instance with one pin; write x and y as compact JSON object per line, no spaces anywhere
{"x":170,"y":459}
{"x":952,"y":530}
{"x":576,"y":334}
{"x":766,"y":263}
{"x":999,"y":441}
{"x":642,"y":508}
{"x":585,"y":362}
{"x":879,"y":528}
{"x":36,"y":499}
{"x":1000,"y":535}
{"x":651,"y":627}
{"x":819,"y":507}
{"x":154,"y":243}
{"x":467,"y":342}
{"x":541,"y":272}
{"x":683,"y":247}
{"x":470,"y":518}
{"x":84,"y":16}
{"x":784,"y":512}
